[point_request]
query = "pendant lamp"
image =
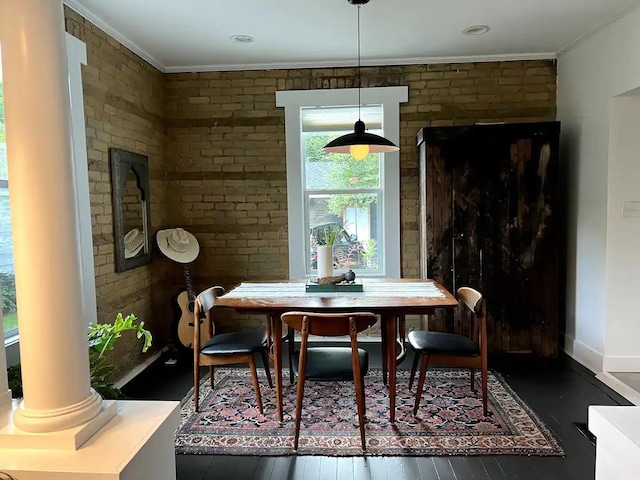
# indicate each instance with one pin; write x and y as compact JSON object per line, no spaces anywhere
{"x":360,"y":143}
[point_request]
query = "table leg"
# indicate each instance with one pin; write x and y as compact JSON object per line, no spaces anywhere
{"x":276,"y":328}
{"x":385,"y":353}
{"x":390,"y":325}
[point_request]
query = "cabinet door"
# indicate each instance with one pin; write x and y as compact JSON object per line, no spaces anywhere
{"x":491,"y":210}
{"x":450,"y":203}
{"x":520,"y":249}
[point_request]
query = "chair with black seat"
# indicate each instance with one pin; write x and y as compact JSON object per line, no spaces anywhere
{"x":226,"y":348}
{"x":330,"y":363}
{"x":452,"y":350}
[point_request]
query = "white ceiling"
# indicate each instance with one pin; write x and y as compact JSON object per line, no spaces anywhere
{"x":193,"y":35}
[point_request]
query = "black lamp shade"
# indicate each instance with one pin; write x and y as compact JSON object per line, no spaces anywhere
{"x":377,"y":144}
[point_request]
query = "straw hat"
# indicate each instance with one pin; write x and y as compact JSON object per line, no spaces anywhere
{"x":133,"y":242}
{"x":178,"y":245}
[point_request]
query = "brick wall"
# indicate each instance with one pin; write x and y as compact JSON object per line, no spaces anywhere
{"x":124,"y":101}
{"x":216,"y":148}
{"x":226,"y":142}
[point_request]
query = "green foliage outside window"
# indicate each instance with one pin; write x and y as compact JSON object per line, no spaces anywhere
{"x":8,"y":292}
{"x":370,"y":253}
{"x":345,"y":172}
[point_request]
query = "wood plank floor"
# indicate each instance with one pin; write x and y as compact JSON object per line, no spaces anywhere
{"x":560,"y":392}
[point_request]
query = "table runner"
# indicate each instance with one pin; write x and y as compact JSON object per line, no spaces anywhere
{"x":370,"y":289}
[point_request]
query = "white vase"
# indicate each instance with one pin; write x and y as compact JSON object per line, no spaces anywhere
{"x":325,"y":261}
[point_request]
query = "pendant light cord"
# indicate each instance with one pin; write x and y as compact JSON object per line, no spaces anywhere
{"x":359,"y":73}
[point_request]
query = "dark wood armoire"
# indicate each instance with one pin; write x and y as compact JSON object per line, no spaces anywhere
{"x":491,"y":218}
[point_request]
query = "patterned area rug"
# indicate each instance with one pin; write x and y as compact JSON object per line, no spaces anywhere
{"x":449,"y":421}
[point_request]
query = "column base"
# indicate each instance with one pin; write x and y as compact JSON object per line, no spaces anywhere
{"x":138,"y":444}
{"x":38,"y":421}
{"x":71,"y":439}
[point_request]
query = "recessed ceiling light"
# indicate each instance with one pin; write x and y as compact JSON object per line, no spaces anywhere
{"x":476,"y":30}
{"x":241,"y":38}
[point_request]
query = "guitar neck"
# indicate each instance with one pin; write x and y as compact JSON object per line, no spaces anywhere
{"x":187,"y":279}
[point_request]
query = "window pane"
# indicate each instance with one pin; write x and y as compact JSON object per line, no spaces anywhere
{"x":326,"y":119}
{"x":350,"y":222}
{"x":7,"y":279}
{"x":332,"y":171}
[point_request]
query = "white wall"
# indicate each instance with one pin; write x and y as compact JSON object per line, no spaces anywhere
{"x":597,"y":69}
{"x":622,"y":325}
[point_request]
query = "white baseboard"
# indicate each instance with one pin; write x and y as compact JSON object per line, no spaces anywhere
{"x":583,"y":354}
{"x":619,"y":387}
{"x":621,"y":364}
{"x":139,"y":369}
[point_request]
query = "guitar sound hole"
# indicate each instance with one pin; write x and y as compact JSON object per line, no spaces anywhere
{"x":191,"y":306}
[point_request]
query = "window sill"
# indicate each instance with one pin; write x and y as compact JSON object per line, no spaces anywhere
{"x":11,"y":340}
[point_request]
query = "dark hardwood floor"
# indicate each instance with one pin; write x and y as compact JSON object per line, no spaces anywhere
{"x":559,"y":391}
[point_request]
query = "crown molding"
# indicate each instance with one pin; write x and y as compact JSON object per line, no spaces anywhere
{"x":365,"y":63}
{"x":601,"y":26}
{"x":100,"y":23}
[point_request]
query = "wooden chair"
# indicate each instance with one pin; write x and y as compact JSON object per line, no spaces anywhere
{"x":227,"y":348}
{"x":330,"y":363}
{"x":451,"y":350}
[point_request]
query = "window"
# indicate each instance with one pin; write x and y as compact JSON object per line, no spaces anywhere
{"x":356,"y":203}
{"x":7,"y":277}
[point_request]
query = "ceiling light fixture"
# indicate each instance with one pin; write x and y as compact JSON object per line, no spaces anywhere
{"x":241,"y":38}
{"x":476,"y":30}
{"x":360,"y":143}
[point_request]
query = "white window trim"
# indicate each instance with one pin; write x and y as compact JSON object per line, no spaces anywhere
{"x":390,"y":98}
{"x":76,"y":57}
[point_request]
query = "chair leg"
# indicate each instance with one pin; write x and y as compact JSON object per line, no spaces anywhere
{"x":211,"y":375}
{"x":291,"y":345}
{"x":299,"y":396}
{"x":423,"y":374}
{"x":302,"y":372}
{"x":414,"y":367}
{"x":484,"y":389}
{"x":473,"y":379}
{"x":256,"y":385}
{"x":265,"y":362}
{"x":359,"y":384}
{"x":196,"y":385}
{"x":364,"y":406}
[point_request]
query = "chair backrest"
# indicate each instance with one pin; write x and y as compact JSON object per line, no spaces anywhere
{"x":202,"y":309}
{"x":470,"y":297}
{"x":332,"y":325}
{"x":475,"y":302}
{"x":329,"y":324}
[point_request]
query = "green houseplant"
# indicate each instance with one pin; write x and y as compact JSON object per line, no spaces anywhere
{"x":102,"y":338}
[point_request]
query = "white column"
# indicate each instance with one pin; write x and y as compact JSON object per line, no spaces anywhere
{"x":53,"y":334}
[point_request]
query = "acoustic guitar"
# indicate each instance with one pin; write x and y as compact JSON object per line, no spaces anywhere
{"x":184,"y":324}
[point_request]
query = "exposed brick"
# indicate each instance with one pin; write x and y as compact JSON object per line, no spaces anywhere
{"x":216,"y":146}
{"x":124,"y":107}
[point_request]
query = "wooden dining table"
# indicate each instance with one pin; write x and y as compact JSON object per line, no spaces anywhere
{"x":391,"y":299}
